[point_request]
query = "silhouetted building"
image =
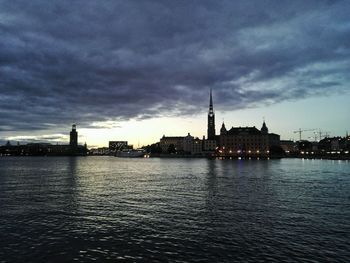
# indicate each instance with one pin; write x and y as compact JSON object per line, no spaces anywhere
{"x":211,"y":119}
{"x":73,"y":138}
{"x":274,"y":140}
{"x":334,"y":144}
{"x":241,"y":140}
{"x":210,"y":144}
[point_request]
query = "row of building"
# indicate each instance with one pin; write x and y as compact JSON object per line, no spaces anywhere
{"x":236,"y":141}
{"x":328,"y":145}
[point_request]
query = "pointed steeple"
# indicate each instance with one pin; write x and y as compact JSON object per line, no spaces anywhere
{"x":211,"y":119}
{"x":264,"y":128}
{"x":223,"y":129}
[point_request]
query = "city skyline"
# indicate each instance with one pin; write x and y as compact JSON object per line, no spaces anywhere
{"x":173,"y":129}
{"x":136,"y":71}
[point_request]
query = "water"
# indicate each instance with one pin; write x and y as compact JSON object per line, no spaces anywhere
{"x":173,"y":210}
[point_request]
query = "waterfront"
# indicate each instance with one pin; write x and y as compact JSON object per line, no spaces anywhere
{"x":179,"y":210}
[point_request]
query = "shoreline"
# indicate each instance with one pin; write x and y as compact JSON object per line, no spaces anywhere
{"x":175,"y":156}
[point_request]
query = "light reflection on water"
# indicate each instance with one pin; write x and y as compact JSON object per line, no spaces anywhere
{"x":105,"y":208}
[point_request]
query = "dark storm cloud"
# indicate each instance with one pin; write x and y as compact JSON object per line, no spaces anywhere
{"x":92,"y":61}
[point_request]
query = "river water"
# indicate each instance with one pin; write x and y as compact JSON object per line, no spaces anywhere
{"x":173,"y":210}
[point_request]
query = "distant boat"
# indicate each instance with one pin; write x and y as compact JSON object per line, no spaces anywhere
{"x":127,"y":153}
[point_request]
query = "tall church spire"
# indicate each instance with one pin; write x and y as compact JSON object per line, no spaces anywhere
{"x":211,"y":101}
{"x":211,"y":119}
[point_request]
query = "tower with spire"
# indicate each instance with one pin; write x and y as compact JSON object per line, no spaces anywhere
{"x":73,"y":142}
{"x":211,"y":119}
{"x":264,"y":129}
{"x":223,"y":130}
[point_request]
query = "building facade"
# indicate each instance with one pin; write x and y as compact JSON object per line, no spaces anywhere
{"x":193,"y":146}
{"x":166,"y":141}
{"x":209,"y":146}
{"x":239,"y":141}
{"x":188,"y":143}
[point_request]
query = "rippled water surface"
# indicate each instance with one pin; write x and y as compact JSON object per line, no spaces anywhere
{"x":173,"y":210}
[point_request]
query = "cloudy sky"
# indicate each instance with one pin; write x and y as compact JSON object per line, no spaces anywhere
{"x":136,"y":70}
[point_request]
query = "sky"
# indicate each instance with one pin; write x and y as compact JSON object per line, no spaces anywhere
{"x":138,"y":70}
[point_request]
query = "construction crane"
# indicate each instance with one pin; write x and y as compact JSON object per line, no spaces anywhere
{"x":300,"y":131}
{"x":326,"y":134}
{"x":319,"y":135}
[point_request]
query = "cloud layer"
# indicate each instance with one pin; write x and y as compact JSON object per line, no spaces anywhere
{"x":104,"y":61}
